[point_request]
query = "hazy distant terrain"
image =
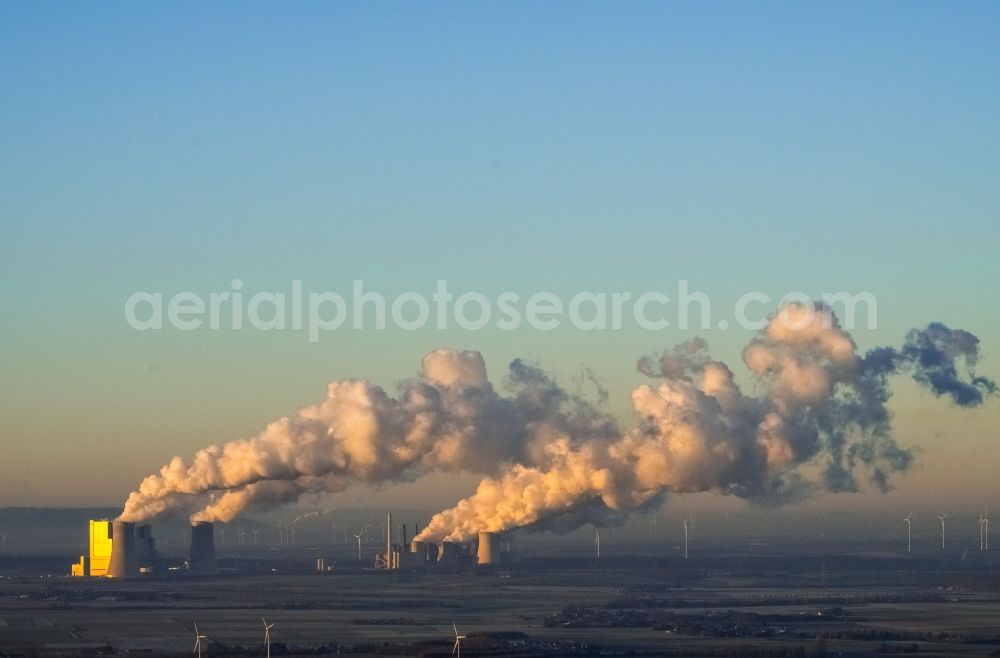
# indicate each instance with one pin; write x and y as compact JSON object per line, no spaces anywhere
{"x":553,"y":599}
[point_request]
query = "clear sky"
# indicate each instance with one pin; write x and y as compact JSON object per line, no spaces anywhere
{"x":815,"y":147}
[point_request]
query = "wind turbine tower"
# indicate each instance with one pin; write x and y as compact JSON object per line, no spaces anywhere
{"x":456,"y":650}
{"x":909,"y":527}
{"x":197,"y":641}
{"x":942,"y":517}
{"x":358,"y":537}
{"x":597,"y":541}
{"x":267,"y":636}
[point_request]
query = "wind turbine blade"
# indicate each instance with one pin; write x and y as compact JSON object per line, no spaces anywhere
{"x":454,"y":648}
{"x":455,"y":627}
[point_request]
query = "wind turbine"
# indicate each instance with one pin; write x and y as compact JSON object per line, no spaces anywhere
{"x":267,"y":636}
{"x":254,"y":531}
{"x":197,"y":641}
{"x":907,"y":521}
{"x":597,"y":541}
{"x":292,"y":531}
{"x":242,"y":535}
{"x":334,"y":531}
{"x":687,"y":523}
{"x":982,"y":521}
{"x":986,"y":528}
{"x":457,"y":649}
{"x":222,"y":536}
{"x":942,"y":517}
{"x":358,"y":537}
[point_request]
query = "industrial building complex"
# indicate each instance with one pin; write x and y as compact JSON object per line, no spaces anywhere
{"x":120,"y":549}
{"x":424,"y":555}
{"x":117,"y":549}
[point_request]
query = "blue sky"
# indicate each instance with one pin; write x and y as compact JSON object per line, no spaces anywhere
{"x":814,"y":147}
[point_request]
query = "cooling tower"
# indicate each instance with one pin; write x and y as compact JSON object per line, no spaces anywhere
{"x":203,"y":548}
{"x":124,"y":561}
{"x":145,"y":546}
{"x":448,"y":553}
{"x":489,"y":548}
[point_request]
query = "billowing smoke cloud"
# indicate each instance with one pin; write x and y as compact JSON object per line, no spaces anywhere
{"x":448,"y":418}
{"x":936,"y":354}
{"x":818,"y":421}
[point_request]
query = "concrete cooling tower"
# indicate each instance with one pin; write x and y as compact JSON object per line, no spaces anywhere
{"x":145,"y":546}
{"x":202,"y":559}
{"x":448,"y":553}
{"x":489,"y":548}
{"x":124,"y":561}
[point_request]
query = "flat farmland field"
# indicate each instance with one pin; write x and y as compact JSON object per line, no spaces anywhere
{"x":641,"y":606}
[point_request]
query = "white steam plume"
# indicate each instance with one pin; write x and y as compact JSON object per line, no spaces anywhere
{"x":821,"y":408}
{"x":818,"y":420}
{"x":447,"y":418}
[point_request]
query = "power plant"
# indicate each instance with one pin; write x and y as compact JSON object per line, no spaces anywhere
{"x":417,"y":554}
{"x":121,"y":549}
{"x":117,"y":550}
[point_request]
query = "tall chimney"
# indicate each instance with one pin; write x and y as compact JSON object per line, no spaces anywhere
{"x":388,"y":540}
{"x":202,"y":559}
{"x":489,"y":548}
{"x":124,"y":558}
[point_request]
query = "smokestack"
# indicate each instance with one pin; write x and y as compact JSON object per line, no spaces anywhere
{"x":202,"y":559}
{"x":489,"y":548}
{"x":124,"y":558}
{"x":404,"y":536}
{"x":388,"y":540}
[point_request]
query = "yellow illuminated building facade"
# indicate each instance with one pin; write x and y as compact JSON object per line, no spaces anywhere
{"x":100,"y":551}
{"x":100,"y":547}
{"x":79,"y":568}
